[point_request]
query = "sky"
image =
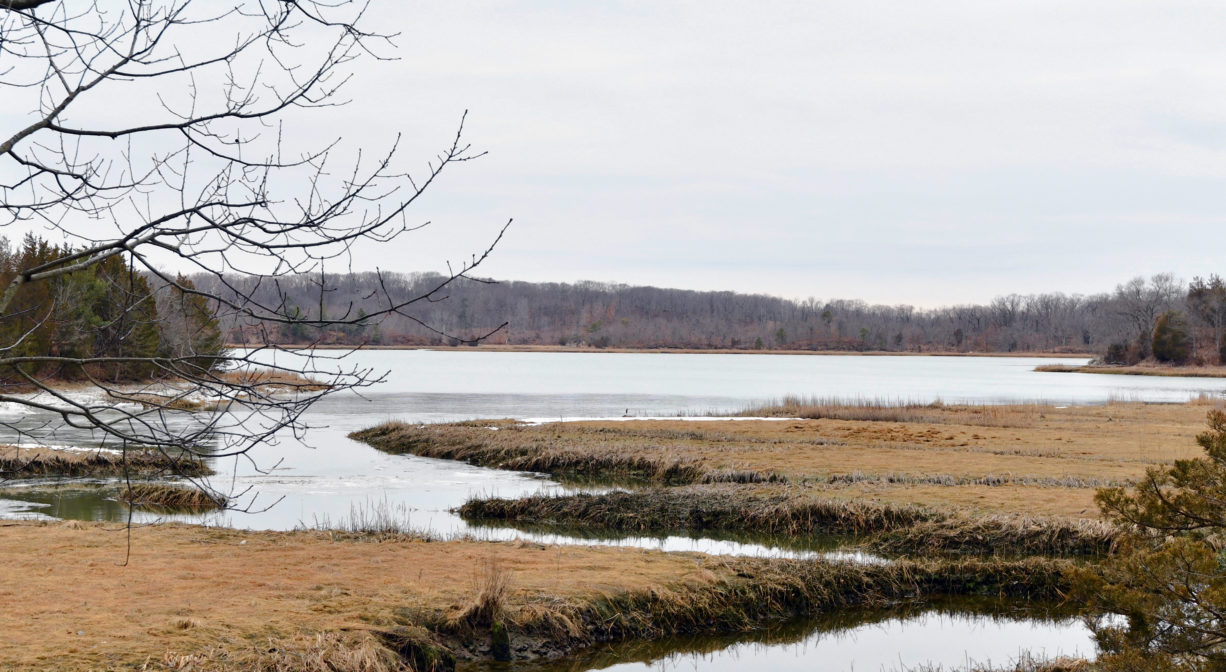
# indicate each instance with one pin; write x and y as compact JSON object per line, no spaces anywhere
{"x":925,"y":152}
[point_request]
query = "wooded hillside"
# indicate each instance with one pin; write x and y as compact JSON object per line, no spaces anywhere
{"x":604,"y":315}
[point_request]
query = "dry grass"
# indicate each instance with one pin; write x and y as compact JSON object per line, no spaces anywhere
{"x":902,"y":530}
{"x":735,"y":595}
{"x":215,"y":599}
{"x":501,"y":445}
{"x":1140,"y":370}
{"x":24,"y":462}
{"x":976,"y":460}
{"x":979,"y":415}
{"x":339,"y":652}
{"x":171,"y":402}
{"x":490,"y":587}
{"x":240,"y":590}
{"x":165,"y":497}
{"x":271,"y":378}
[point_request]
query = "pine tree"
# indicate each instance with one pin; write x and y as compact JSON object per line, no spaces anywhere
{"x":1169,"y":577}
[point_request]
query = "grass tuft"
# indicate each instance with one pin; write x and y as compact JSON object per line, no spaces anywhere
{"x":161,"y":496}
{"x":817,"y":408}
{"x":884,"y":528}
{"x":24,"y":463}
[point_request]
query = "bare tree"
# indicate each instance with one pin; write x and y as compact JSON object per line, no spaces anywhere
{"x":160,"y":133}
{"x":1141,"y":303}
{"x":1207,"y":302}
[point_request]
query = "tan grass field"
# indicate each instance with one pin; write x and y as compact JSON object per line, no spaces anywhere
{"x":69,"y":605}
{"x":1030,"y":459}
{"x":1143,"y":369}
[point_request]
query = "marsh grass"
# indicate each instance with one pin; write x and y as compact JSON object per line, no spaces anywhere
{"x":335,"y":652}
{"x":1152,"y":370}
{"x":173,"y":402}
{"x":374,"y":520}
{"x":490,"y":588}
{"x":891,"y":529}
{"x":878,"y":410}
{"x":1026,"y":662}
{"x":511,"y":446}
{"x":680,"y":509}
{"x":271,"y":379}
{"x":167,"y":497}
{"x":18,"y":463}
{"x":742,"y":594}
{"x":991,"y":480}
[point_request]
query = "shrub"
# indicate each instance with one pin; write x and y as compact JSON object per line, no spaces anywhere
{"x":1171,"y":341}
{"x":1169,"y":579}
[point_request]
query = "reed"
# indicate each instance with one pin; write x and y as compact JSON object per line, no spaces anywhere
{"x":742,"y":594}
{"x":903,"y":530}
{"x":20,"y":464}
{"x":271,"y":379}
{"x":336,"y":652}
{"x":166,"y":497}
{"x":1152,"y":370}
{"x":878,"y":410}
{"x":708,"y":508}
{"x":952,"y":481}
{"x":1002,"y":535}
{"x":508,"y":445}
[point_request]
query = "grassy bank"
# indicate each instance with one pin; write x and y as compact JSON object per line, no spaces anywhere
{"x":899,"y":530}
{"x":176,"y":498}
{"x":1153,"y":370}
{"x":968,"y":460}
{"x":24,"y":463}
{"x":738,"y":595}
{"x":503,"y":445}
{"x":217,"y":599}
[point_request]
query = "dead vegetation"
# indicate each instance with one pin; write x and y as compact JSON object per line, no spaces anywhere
{"x":1150,"y":370}
{"x":25,"y":463}
{"x":505,"y":445}
{"x":897,"y":530}
{"x":980,"y":415}
{"x":271,"y":379}
{"x":736,"y":595}
{"x":333,"y":651}
{"x":969,"y":460}
{"x":196,"y":598}
{"x":167,"y":497}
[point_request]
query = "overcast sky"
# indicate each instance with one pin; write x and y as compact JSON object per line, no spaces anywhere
{"x":899,"y":152}
{"x":919,"y":152}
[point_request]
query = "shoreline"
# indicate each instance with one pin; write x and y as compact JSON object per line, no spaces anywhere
{"x":663,"y":351}
{"x":1155,"y":371}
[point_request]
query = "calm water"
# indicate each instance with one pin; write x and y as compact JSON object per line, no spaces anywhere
{"x":329,"y":478}
{"x":954,"y":635}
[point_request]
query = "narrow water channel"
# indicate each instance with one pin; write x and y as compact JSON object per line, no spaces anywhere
{"x":956,"y":635}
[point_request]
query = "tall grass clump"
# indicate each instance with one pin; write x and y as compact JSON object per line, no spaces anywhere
{"x":18,"y":463}
{"x":744,"y":594}
{"x":877,"y":410}
{"x":585,"y":454}
{"x":162,"y":496}
{"x":893,"y":529}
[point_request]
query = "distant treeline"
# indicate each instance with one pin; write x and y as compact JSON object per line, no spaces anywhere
{"x":599,"y":315}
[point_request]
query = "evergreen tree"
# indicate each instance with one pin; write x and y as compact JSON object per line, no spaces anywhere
{"x":1169,"y":577}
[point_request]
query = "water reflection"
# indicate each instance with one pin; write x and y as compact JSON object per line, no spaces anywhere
{"x":825,"y":547}
{"x":951,"y":635}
